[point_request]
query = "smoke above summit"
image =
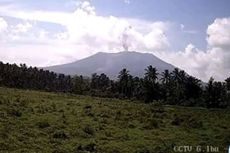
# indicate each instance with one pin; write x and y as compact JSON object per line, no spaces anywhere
{"x":126,"y":38}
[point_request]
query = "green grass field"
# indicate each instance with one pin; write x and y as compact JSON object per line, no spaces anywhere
{"x":32,"y":121}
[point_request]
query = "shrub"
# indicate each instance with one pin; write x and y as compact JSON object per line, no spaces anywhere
{"x":79,"y":148}
{"x":187,"y":121}
{"x":165,"y":146}
{"x":227,"y":138}
{"x":54,"y":107}
{"x":131,"y":125}
{"x":142,"y":150}
{"x":194,"y":123}
{"x":60,"y":135}
{"x":177,"y":121}
{"x":152,"y":123}
{"x":89,"y":130}
{"x":91,"y":147}
{"x":43,"y":124}
{"x":15,"y":112}
{"x":88,"y":110}
{"x":88,"y":107}
{"x":157,"y":107}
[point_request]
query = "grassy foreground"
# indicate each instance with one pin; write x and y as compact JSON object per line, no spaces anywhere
{"x":32,"y":121}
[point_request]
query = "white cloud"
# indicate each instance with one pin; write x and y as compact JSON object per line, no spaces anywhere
{"x":37,"y":55}
{"x":215,"y":61}
{"x":219,"y":33}
{"x":182,"y":27}
{"x":22,"y":27}
{"x":196,"y":62}
{"x":86,"y":31}
{"x":127,"y":1}
{"x":3,"y":25}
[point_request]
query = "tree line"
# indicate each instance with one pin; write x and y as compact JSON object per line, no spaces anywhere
{"x":173,"y":88}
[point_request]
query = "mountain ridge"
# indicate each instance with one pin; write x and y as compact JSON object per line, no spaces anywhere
{"x":112,"y":63}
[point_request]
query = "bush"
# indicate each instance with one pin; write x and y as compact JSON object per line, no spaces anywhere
{"x":78,"y":148}
{"x":187,"y":121}
{"x":88,"y":107}
{"x":43,"y":124}
{"x":15,"y":112}
{"x":157,"y":106}
{"x":60,"y":135}
{"x":89,"y":130}
{"x":177,"y":121}
{"x":227,"y":138}
{"x":91,"y":147}
{"x":194,"y":123}
{"x":157,"y":110}
{"x":152,"y":123}
{"x":142,"y":150}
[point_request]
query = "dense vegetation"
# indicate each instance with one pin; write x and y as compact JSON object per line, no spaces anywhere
{"x":45,"y":122}
{"x":174,"y":88}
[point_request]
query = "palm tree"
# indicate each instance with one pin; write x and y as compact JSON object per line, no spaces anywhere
{"x":123,"y":81}
{"x":228,"y":90}
{"x":179,"y":78}
{"x":150,"y":86}
{"x":193,"y":88}
{"x":228,"y":83}
{"x":165,"y":77}
{"x":94,"y":81}
{"x":123,"y":74}
{"x":176,"y":74}
{"x":151,"y":74}
{"x":183,"y":76}
{"x":210,"y":92}
{"x":103,"y":81}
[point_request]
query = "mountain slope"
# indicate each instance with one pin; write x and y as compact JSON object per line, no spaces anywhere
{"x":112,"y":63}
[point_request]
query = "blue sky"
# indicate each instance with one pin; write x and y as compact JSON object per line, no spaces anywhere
{"x":191,"y":34}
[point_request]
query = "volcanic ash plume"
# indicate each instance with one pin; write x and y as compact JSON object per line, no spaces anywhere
{"x":125,"y":39}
